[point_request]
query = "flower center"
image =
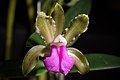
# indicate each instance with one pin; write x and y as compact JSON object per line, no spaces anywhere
{"x":59,"y":41}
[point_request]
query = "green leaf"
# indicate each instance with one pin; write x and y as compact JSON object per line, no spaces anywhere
{"x":31,"y":58}
{"x":81,"y":62}
{"x":81,"y":7}
{"x":34,"y":39}
{"x":78,"y":26}
{"x":101,"y":61}
{"x":72,"y":2}
{"x":58,"y":16}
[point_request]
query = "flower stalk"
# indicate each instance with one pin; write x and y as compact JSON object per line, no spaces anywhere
{"x":60,"y":76}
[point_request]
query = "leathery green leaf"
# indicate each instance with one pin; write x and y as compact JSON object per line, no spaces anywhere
{"x":78,"y":26}
{"x":81,"y":62}
{"x":34,"y":39}
{"x":31,"y":58}
{"x":72,"y":2}
{"x":58,"y":16}
{"x":101,"y":61}
{"x":45,"y":26}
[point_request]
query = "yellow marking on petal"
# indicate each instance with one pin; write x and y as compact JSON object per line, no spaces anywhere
{"x":73,"y":38}
{"x":42,"y":37}
{"x":66,"y":29}
{"x":78,"y":34}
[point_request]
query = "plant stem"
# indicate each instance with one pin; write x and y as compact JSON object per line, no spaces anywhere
{"x":10,"y":22}
{"x":60,"y":76}
{"x":51,"y":76}
{"x":31,"y":12}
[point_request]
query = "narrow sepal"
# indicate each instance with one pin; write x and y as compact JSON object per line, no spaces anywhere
{"x":78,"y":26}
{"x":58,"y":16}
{"x":81,"y":63}
{"x":31,"y":58}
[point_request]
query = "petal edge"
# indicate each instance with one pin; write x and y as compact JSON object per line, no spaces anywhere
{"x":81,"y":62}
{"x":31,"y":58}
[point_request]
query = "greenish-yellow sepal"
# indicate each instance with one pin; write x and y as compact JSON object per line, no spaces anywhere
{"x":58,"y":16}
{"x":78,"y":26}
{"x":81,"y":62}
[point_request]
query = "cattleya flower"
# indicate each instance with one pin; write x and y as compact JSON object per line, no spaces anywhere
{"x":58,"y":57}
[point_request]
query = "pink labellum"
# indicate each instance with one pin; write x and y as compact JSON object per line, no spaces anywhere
{"x":66,"y":62}
{"x":52,"y":62}
{"x":59,"y":61}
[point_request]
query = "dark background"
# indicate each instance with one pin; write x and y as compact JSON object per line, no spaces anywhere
{"x":103,"y":32}
{"x":102,"y":35}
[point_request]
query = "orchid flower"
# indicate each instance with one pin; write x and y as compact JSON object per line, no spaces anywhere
{"x":58,"y":57}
